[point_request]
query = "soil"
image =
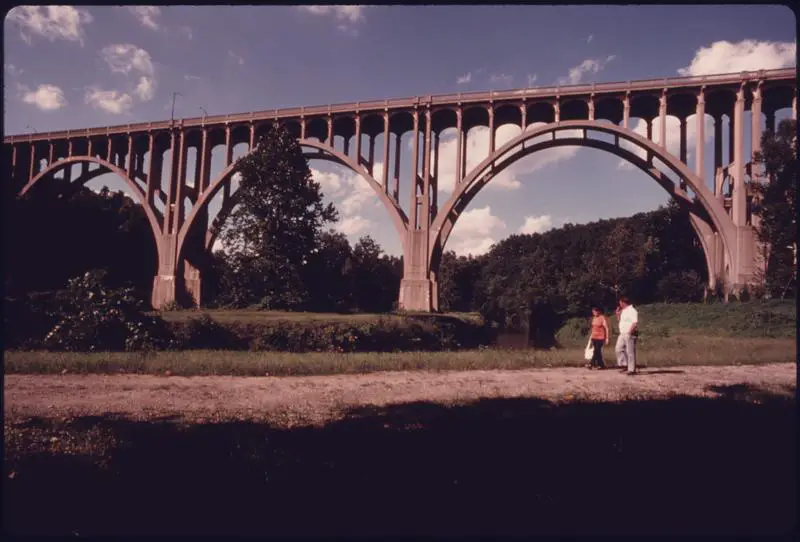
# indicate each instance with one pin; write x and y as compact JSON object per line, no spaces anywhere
{"x":316,"y":400}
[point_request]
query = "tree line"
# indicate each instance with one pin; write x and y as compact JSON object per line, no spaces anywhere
{"x":279,"y":251}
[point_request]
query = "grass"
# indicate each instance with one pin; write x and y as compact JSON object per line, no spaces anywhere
{"x":653,"y":352}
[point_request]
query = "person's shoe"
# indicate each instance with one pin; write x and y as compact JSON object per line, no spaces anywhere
{"x":631,"y":373}
{"x":590,"y":367}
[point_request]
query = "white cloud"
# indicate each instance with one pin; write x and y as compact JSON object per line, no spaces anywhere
{"x":352,"y":14}
{"x":501,"y":79}
{"x":50,"y":22}
{"x":531,"y":79}
{"x":590,"y":38}
{"x":128,"y":59}
{"x":145,"y":89}
{"x":349,"y":191}
{"x":125,"y":57}
{"x":46,"y":97}
{"x":12,"y":70}
{"x":110,"y":101}
{"x":719,"y":57}
{"x":536,"y":224}
{"x":239,"y":60}
{"x":590,"y":65}
{"x":673,"y":137}
{"x":147,"y":15}
{"x":478,"y":150}
{"x":464,"y":79}
{"x":353,"y":225}
{"x":746,"y":55}
{"x":475,"y":232}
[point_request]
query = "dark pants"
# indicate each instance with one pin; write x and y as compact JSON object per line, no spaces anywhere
{"x":597,"y":357}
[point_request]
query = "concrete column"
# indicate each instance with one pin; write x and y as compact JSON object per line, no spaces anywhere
{"x":151,"y":149}
{"x":302,"y":128}
{"x":523,"y":111}
{"x":557,"y":112}
{"x":491,"y":130}
{"x":358,"y":139}
{"x":683,"y":140}
{"x":32,"y":166}
{"x":205,"y":164}
{"x":435,"y":185}
{"x":755,"y":127}
{"x":130,"y":156}
{"x":169,"y":208}
{"x":181,"y":182}
{"x":397,"y":149}
{"x":412,"y":209}
{"x":109,"y":149}
{"x":228,"y":146}
{"x":739,"y":195}
{"x":386,"y":152}
{"x":662,"y":115}
{"x":459,"y":145}
{"x":426,"y":173}
{"x":252,"y":137}
{"x":591,"y":107}
{"x":69,"y":148}
{"x":626,"y":111}
{"x":371,"y":158}
{"x":700,"y":147}
{"x":89,"y":148}
{"x":330,"y":131}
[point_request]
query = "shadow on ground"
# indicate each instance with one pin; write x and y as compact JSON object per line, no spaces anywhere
{"x":505,"y":466}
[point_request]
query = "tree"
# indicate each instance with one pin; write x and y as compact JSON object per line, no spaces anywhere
{"x":374,"y":281}
{"x":276,"y":226}
{"x":332,"y":261}
{"x":775,"y":204}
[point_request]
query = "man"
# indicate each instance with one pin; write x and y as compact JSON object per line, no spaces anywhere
{"x":628,"y":319}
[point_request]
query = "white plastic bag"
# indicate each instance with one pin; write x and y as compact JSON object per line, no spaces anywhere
{"x":588,"y":353}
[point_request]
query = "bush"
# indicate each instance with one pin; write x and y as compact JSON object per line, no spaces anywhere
{"x":97,"y":318}
{"x":381,"y":335}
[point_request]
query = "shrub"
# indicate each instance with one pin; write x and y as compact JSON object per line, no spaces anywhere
{"x":98,"y":318}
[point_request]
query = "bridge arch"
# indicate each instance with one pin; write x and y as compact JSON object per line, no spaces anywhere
{"x":705,"y":207}
{"x":136,"y":190}
{"x":326,"y":152}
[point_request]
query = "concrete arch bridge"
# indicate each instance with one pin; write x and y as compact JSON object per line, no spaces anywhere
{"x":596,"y":116}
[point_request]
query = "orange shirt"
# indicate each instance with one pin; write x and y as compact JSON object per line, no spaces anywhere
{"x":599,"y":325}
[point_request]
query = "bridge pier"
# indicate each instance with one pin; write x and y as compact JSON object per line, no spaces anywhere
{"x":417,"y":290}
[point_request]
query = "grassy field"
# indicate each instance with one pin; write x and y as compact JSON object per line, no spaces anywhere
{"x":653,"y":352}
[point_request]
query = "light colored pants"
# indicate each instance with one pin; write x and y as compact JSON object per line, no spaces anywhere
{"x":626,"y":351}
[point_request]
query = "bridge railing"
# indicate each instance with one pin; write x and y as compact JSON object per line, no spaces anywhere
{"x":465,"y":97}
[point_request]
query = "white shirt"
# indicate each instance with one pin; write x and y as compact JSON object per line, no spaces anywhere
{"x":627,"y":317}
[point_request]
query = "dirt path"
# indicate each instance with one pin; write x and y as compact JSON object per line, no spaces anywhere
{"x":316,"y":400}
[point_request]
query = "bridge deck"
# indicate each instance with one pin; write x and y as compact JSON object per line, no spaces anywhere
{"x":434,"y":100}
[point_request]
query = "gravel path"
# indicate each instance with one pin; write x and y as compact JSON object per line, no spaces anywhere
{"x":314,"y":400}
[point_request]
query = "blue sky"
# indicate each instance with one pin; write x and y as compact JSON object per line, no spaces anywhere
{"x":71,"y":67}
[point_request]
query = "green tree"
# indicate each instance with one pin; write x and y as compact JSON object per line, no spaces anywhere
{"x":272,"y":233}
{"x":331,"y":263}
{"x":775,"y":204}
{"x":374,"y":280}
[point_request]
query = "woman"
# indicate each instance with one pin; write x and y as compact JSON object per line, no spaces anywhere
{"x":599,"y":337}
